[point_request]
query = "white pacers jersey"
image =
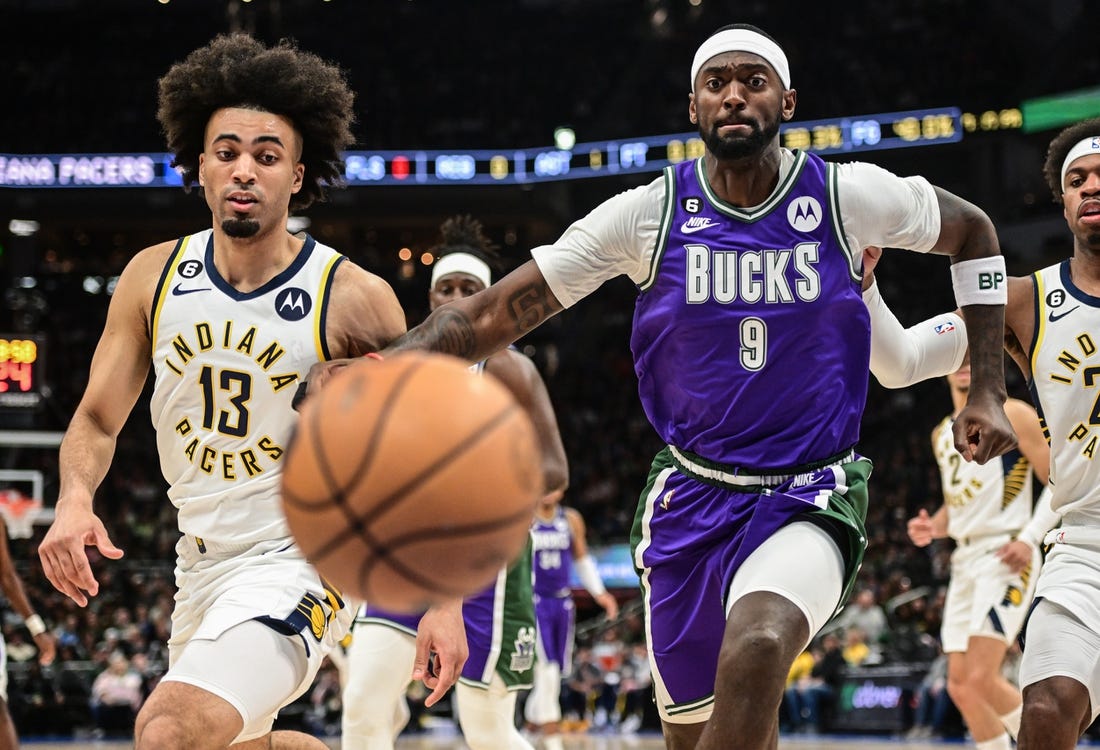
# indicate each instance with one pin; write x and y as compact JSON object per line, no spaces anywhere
{"x":227,"y":364}
{"x":1065,"y":383}
{"x":982,"y":499}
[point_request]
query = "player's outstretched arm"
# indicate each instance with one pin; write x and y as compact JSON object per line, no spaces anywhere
{"x":982,"y":430}
{"x":116,"y":378}
{"x":519,"y":374}
{"x":586,"y":567}
{"x":902,"y":356}
{"x":17,"y":596}
{"x":1017,"y":553}
{"x":923,"y":528}
{"x":364,"y":315}
{"x":486,"y":322}
{"x":441,"y":649}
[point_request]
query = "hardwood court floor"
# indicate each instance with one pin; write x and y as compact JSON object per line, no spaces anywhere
{"x":448,"y":741}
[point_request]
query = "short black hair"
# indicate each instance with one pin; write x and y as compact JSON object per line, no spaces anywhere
{"x":463,"y":233}
{"x":1059,"y":149}
{"x":235,"y":70}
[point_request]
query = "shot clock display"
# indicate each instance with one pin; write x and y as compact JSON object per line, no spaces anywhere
{"x":841,"y":135}
{"x":22,"y":369}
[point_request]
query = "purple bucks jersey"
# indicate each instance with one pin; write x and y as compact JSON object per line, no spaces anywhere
{"x":751,"y":340}
{"x":553,"y":555}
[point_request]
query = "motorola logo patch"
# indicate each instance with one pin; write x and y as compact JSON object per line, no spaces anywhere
{"x":804,"y":214}
{"x":293,"y":303}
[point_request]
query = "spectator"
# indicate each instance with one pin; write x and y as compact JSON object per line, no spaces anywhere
{"x":856,"y":651}
{"x":609,"y":657}
{"x":579,"y":689}
{"x":932,"y":700}
{"x":865,"y":613}
{"x":815,"y":694}
{"x":116,"y":697}
{"x":636,"y":687}
{"x":790,"y":718}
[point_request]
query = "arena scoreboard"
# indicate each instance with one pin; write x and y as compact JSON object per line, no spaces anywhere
{"x":829,"y":137}
{"x":22,"y":370}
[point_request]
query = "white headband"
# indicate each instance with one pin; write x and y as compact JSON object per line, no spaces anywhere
{"x":1084,"y":147}
{"x":742,"y":40}
{"x":461,"y":263}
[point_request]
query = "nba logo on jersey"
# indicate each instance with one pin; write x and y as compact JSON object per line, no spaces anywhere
{"x":941,"y":328}
{"x":293,"y":303}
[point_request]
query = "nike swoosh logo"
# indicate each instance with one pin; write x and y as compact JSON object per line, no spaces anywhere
{"x":1052,"y":317}
{"x":691,"y":230}
{"x":178,"y":290}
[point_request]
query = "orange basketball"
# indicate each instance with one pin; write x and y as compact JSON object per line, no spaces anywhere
{"x":411,"y":480}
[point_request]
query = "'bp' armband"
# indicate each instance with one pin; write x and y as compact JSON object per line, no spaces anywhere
{"x":981,"y":281}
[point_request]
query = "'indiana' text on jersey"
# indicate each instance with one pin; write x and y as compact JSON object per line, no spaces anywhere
{"x":1065,"y":385}
{"x":227,"y":364}
{"x":751,"y":339}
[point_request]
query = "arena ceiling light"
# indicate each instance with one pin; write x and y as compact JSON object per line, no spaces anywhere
{"x":564,"y":138}
{"x":23,"y":227}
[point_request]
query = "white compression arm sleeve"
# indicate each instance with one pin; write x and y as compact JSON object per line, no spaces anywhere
{"x":903,"y":356}
{"x":590,"y":577}
{"x":1043,"y":519}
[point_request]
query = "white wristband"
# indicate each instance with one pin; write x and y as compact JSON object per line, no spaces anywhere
{"x":981,"y":281}
{"x":589,"y":576}
{"x":35,"y":625}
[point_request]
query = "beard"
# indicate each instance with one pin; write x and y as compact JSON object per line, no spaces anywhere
{"x":240,"y":228}
{"x":738,"y":148}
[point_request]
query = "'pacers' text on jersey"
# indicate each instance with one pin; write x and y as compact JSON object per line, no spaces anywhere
{"x":752,"y":324}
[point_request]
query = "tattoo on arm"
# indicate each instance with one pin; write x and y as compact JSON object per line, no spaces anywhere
{"x":530,"y":306}
{"x":446,"y":330}
{"x":475,"y":333}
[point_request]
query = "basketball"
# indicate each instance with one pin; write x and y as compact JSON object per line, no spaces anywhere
{"x":411,"y":480}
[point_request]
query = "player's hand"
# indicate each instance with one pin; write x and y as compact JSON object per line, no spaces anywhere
{"x":322,"y":372}
{"x":1015,"y":554}
{"x":64,"y":555}
{"x":609,"y":603}
{"x":47,"y":648}
{"x":920,"y":529}
{"x":982,"y":431}
{"x":441,"y":649}
{"x":871,"y":256}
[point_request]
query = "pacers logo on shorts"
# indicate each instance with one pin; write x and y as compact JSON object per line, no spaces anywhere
{"x":1013,"y":597}
{"x":314,"y":613}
